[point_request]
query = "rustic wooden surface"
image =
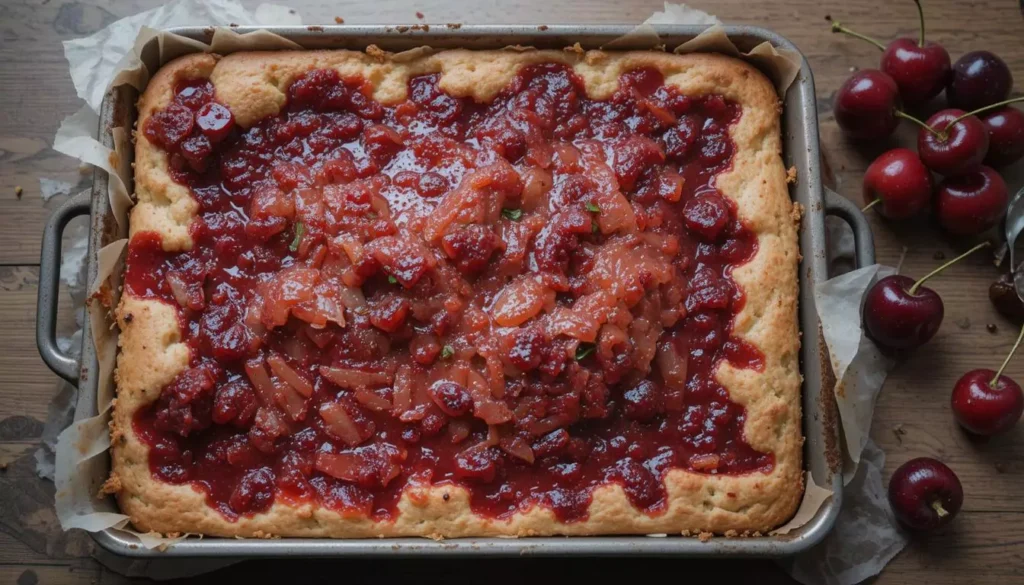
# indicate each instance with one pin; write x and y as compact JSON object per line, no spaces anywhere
{"x":984,"y":545}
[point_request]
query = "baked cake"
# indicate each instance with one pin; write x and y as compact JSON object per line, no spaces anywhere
{"x":465,"y":293}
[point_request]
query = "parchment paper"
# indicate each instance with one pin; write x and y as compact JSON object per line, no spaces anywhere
{"x":127,"y":52}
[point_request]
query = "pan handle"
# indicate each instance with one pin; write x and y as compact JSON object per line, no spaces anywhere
{"x":863,"y":240}
{"x":61,"y":363}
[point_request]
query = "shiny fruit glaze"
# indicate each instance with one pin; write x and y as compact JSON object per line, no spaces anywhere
{"x":526,"y":298}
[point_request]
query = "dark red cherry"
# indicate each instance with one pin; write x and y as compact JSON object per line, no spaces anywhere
{"x":953,"y":143}
{"x":925,"y":494}
{"x":900,"y":314}
{"x":1005,"y":136}
{"x":866,"y":105}
{"x":921,"y":72}
{"x":972,"y":203}
{"x":986,"y":402}
{"x":900,"y":182}
{"x":979,"y":79}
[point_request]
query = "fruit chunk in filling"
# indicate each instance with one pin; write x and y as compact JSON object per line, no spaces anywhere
{"x":526,"y":298}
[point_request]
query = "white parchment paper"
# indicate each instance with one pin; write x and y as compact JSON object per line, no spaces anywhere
{"x":112,"y":56}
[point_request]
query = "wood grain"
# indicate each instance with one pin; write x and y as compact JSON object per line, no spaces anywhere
{"x":985,"y":545}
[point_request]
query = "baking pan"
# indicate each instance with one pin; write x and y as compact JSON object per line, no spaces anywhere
{"x":801,"y":150}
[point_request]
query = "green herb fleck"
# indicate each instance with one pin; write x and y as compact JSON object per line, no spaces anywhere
{"x":513,"y":214}
{"x":300,"y":229}
{"x":447,"y":352}
{"x":392,"y":279}
{"x":593,"y":208}
{"x":593,"y":227}
{"x":583,"y":350}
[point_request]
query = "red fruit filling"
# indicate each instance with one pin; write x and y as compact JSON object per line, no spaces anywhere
{"x":526,"y":298}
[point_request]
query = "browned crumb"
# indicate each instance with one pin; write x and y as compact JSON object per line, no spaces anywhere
{"x":454,"y":25}
{"x":992,"y":327}
{"x":419,"y":15}
{"x":339,"y":20}
{"x":18,"y":191}
{"x":115,"y":431}
{"x":377,"y":53}
{"x":402,"y":28}
{"x":791,"y":175}
{"x":111,"y":486}
{"x":704,"y":536}
{"x":731,"y":533}
{"x":900,"y":432}
{"x":797,"y":212}
{"x":576,"y":48}
{"x":436,"y":537}
{"x":542,"y":27}
{"x":315,"y":28}
{"x":594,"y":57}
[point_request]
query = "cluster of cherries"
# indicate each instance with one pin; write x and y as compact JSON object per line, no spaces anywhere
{"x":962,"y":144}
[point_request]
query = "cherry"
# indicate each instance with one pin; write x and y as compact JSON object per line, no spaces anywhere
{"x":1005,"y":136}
{"x":979,"y":79}
{"x":925,"y":494}
{"x":867,"y":105}
{"x":900,"y":314}
{"x":973,"y":203}
{"x":920,"y":69}
{"x":986,"y":402}
{"x":215,"y":121}
{"x":953,"y":142}
{"x":900,"y":181}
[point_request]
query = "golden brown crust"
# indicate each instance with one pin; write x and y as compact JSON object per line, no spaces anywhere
{"x":253,"y":85}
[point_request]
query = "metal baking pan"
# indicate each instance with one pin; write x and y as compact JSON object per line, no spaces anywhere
{"x":801,"y":150}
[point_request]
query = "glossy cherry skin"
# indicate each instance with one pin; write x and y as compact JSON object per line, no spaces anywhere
{"x":918,"y":487}
{"x":865,"y":106}
{"x":961,"y":148}
{"x":979,"y":79}
{"x":983,"y":409}
{"x":970,"y":204}
{"x":920,"y":72}
{"x":897,"y":320}
{"x":1005,"y":136}
{"x":901,"y":181}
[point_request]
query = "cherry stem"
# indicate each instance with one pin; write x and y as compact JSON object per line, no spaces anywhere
{"x":920,"y":15}
{"x":837,"y":27}
{"x":939,"y":509}
{"x":1013,"y":350}
{"x":907,"y":116}
{"x":980,"y":110}
{"x":917,"y":285}
{"x":870,"y":205}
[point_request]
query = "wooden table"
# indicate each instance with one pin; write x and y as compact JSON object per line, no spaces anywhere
{"x":985,"y":544}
